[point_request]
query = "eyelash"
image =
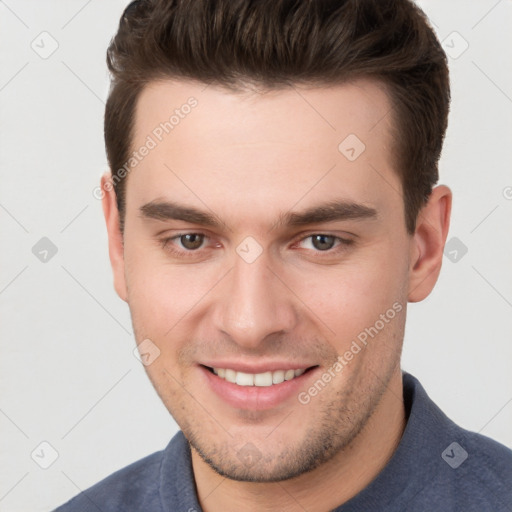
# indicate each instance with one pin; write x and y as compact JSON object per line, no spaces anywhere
{"x":343,"y":244}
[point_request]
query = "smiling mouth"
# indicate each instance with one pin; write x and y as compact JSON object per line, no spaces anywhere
{"x":264,"y":379}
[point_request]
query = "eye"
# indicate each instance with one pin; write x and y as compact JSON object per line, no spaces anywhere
{"x":193,"y":245}
{"x":191,"y":241}
{"x":190,"y":244}
{"x":321,"y":242}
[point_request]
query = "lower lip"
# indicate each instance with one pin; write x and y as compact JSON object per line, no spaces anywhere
{"x":256,"y":397}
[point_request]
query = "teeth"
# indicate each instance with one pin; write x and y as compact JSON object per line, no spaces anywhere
{"x":278,"y":377}
{"x":230,"y":375}
{"x":289,"y":374}
{"x":263,"y":379}
{"x":257,"y":379}
{"x":244,"y":379}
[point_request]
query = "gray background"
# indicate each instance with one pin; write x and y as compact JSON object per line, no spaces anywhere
{"x":68,"y":375}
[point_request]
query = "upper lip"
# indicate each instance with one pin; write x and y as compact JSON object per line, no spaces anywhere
{"x":271,"y":366}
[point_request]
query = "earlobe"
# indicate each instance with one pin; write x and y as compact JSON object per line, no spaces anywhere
{"x":427,"y":243}
{"x":115,"y":237}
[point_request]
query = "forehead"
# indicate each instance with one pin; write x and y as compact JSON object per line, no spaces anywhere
{"x":361,"y":107}
{"x":264,"y":147}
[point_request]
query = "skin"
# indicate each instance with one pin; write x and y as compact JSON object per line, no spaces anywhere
{"x":247,"y":158}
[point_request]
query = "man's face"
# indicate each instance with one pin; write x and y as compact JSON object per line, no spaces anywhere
{"x":259,"y":294}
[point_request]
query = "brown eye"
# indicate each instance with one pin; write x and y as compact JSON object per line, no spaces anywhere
{"x":323,"y":242}
{"x":322,"y":245}
{"x":191,"y":241}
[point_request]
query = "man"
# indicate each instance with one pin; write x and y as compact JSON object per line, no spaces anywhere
{"x":271,"y":211}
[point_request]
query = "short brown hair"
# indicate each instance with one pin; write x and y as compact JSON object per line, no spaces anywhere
{"x":276,"y":43}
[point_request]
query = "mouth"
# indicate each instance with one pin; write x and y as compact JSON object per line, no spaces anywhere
{"x":264,"y":379}
{"x":257,"y":391}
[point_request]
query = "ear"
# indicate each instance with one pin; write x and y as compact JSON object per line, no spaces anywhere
{"x":427,"y":243}
{"x":115,"y":237}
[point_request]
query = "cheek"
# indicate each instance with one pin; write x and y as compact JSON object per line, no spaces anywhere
{"x":352,"y":297}
{"x":160,"y":294}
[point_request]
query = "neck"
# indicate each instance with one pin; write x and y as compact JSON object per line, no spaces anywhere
{"x":323,"y":489}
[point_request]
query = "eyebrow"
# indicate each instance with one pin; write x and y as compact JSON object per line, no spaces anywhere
{"x":337,"y":210}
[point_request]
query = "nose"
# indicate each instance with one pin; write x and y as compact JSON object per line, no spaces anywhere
{"x":254,"y":304}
